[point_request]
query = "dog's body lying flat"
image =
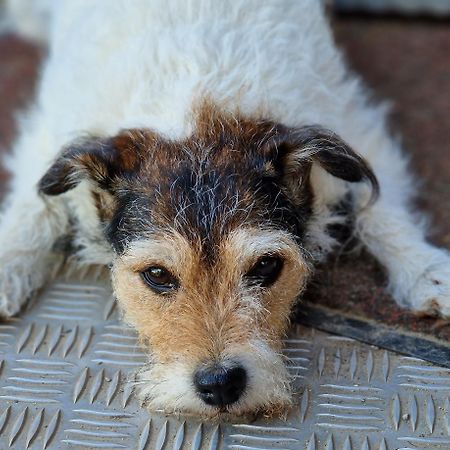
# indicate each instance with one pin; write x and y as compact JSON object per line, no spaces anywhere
{"x":220,"y":173}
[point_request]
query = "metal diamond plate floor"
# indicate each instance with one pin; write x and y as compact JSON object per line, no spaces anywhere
{"x":64,"y":364}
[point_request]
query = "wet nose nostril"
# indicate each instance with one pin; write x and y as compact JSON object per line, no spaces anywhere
{"x":220,"y":386}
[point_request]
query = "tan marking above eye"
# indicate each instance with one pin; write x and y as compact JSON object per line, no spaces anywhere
{"x":248,"y":244}
{"x":173,"y":252}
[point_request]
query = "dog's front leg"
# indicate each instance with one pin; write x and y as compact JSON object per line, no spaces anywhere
{"x":419,"y":273}
{"x":29,"y":227}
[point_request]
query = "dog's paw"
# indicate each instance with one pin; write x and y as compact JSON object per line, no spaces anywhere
{"x":20,"y":276}
{"x":431,"y":292}
{"x":8,"y":308}
{"x":11,"y":293}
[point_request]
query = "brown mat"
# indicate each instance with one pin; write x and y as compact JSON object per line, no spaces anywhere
{"x":407,"y":62}
{"x":363,"y":310}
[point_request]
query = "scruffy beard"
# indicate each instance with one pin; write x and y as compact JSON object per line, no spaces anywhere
{"x":169,"y":388}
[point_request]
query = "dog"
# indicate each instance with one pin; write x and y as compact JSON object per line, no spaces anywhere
{"x":201,"y":150}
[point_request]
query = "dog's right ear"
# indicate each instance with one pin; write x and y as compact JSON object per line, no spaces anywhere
{"x":297,"y":149}
{"x":99,"y":160}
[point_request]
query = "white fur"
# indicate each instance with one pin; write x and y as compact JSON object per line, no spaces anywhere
{"x":115,"y":64}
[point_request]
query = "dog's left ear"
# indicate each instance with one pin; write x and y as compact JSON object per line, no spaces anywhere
{"x":298,"y":148}
{"x":99,"y":160}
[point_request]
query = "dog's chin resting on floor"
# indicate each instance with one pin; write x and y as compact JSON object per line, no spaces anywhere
{"x":201,"y":150}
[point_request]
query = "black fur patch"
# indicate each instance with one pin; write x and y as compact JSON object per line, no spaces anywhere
{"x":230,"y":172}
{"x":204,"y":203}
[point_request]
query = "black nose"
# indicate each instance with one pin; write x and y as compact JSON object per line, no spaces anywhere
{"x":220,"y":386}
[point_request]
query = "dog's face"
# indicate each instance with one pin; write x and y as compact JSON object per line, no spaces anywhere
{"x":208,"y":236}
{"x":213,"y":321}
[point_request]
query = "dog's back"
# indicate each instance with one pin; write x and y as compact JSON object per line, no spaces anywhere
{"x":120,"y":64}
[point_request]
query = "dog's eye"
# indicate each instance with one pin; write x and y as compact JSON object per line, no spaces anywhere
{"x":159,"y":279}
{"x":266,"y":270}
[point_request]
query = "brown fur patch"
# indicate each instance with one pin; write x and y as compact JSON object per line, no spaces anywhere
{"x":214,"y":312}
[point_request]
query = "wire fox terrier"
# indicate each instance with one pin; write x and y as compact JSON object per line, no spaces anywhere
{"x":200,"y":149}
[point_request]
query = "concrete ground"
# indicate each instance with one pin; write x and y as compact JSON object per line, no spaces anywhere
{"x":405,"y":61}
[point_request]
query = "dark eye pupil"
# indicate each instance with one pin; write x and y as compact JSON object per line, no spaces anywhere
{"x":268,"y":263}
{"x":158,"y":273}
{"x":159,"y":279}
{"x":265,"y":271}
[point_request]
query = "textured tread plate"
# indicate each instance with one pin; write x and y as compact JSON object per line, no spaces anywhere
{"x":63,"y":384}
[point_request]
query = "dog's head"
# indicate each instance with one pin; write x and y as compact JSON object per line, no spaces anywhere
{"x":208,"y":236}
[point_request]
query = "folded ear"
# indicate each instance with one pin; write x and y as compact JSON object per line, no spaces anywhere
{"x":100,"y":160}
{"x":299,"y":148}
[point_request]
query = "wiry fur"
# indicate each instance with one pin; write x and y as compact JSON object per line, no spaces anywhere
{"x":193,"y":173}
{"x":215,"y":316}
